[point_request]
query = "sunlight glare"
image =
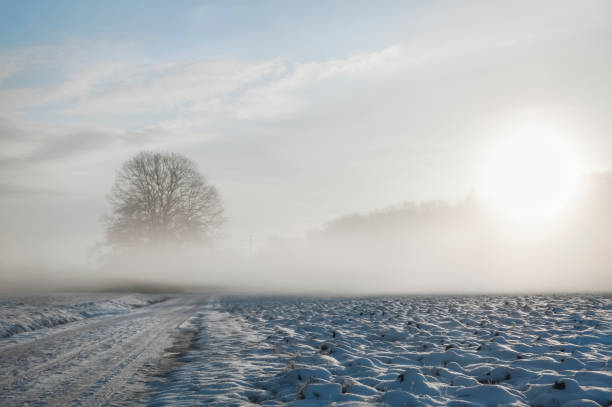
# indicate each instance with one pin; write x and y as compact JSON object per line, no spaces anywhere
{"x":532,"y":176}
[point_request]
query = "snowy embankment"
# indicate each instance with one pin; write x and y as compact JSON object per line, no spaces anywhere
{"x":543,"y":351}
{"x":29,"y":313}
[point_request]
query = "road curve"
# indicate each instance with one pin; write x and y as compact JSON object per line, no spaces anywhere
{"x":99,"y":361}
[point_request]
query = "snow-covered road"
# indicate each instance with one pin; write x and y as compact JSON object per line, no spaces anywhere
{"x":95,"y":361}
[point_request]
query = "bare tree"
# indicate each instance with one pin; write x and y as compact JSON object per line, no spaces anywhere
{"x":161,"y":197}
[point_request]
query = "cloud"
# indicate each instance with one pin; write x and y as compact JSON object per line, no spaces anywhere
{"x":17,"y":61}
{"x":56,"y":148}
{"x":174,"y":88}
{"x":239,"y":89}
{"x":8,"y":68}
{"x":28,"y":75}
{"x":279,"y":97}
{"x":69,"y":145}
{"x":8,"y":189}
{"x":9,"y":131}
{"x":170,"y":103}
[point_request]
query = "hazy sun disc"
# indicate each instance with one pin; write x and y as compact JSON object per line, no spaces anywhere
{"x":531,"y":177}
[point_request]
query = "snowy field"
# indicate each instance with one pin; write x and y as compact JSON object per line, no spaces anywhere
{"x":121,"y":350}
{"x":413,"y":351}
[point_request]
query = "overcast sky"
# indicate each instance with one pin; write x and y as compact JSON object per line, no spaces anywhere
{"x":298,"y":112}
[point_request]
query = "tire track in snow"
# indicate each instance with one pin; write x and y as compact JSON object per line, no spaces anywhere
{"x":93,"y":362}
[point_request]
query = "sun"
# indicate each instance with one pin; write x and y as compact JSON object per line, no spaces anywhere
{"x":531,"y":177}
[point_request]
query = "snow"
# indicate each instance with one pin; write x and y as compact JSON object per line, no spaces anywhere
{"x":541,"y":351}
{"x":106,"y":359}
{"x":29,"y":313}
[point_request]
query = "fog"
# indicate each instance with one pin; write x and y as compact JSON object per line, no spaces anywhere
{"x":347,"y":156}
{"x":412,"y":248}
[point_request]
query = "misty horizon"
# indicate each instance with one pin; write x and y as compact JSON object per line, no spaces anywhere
{"x":325,"y":157}
{"x":404,"y":244}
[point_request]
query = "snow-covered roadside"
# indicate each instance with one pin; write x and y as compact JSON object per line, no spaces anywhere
{"x":222,"y":361}
{"x":30,"y":313}
{"x":544,"y":351}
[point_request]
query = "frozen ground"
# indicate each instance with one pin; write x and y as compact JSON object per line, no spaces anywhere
{"x":463,"y":351}
{"x":94,"y":350}
{"x":85,"y":349}
{"x":28,"y":313}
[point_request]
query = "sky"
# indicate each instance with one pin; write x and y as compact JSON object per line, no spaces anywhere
{"x":299,"y":112}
